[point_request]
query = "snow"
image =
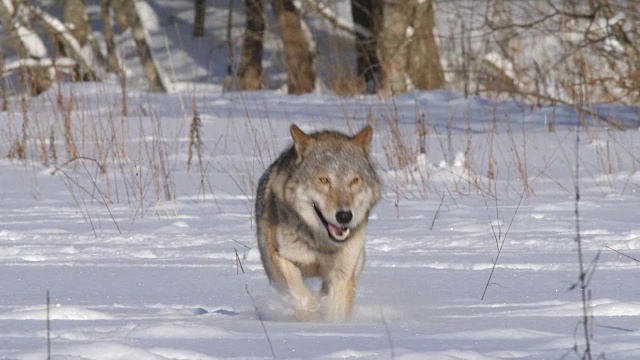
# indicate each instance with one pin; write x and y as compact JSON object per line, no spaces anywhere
{"x":32,"y":43}
{"x":148,"y":17}
{"x":62,"y":62}
{"x":168,"y":285}
{"x":136,"y":274}
{"x":409,"y":32}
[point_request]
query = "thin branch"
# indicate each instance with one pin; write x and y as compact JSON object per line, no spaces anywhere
{"x":238,"y":242}
{"x":493,"y":230}
{"x":103,"y":200}
{"x":48,"y":326}
{"x":582,"y":276}
{"x":495,"y":262}
{"x":623,"y":254}
{"x":386,"y":329}
{"x":433,"y":222}
{"x":59,"y":168}
{"x":266,"y":334}
{"x":238,"y":262}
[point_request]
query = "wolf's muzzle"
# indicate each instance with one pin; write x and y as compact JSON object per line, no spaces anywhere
{"x":336,"y":233}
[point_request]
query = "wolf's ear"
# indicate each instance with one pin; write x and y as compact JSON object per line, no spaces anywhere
{"x":363,"y":138}
{"x":300,"y":139}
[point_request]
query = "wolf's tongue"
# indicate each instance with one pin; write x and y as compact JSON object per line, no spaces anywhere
{"x":338,"y":233}
{"x":334,"y":229}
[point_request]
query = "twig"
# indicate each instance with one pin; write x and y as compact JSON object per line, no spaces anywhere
{"x":266,"y":334}
{"x":504,"y":238}
{"x":59,"y":168}
{"x":433,"y":222}
{"x":493,"y":230}
{"x":615,"y":328}
{"x":582,"y":276}
{"x":623,"y":254}
{"x":104,"y":200}
{"x":87,"y":215}
{"x":238,"y":262}
{"x":238,"y":242}
{"x":386,"y":329}
{"x":48,"y":326}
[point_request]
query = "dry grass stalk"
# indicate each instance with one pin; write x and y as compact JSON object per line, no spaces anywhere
{"x":52,"y":146}
{"x":195,"y":138}
{"x":72,"y":150}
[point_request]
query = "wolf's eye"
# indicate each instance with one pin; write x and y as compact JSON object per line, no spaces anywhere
{"x":323,"y":180}
{"x":355,"y":181}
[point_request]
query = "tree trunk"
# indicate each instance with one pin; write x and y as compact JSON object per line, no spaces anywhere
{"x":113,"y":64}
{"x":368,"y":15}
{"x":411,"y":58}
{"x":425,"y":68}
{"x":198,"y":19}
{"x":394,"y":49}
{"x":250,"y":68}
{"x":127,"y":10}
{"x":299,"y":56}
{"x":74,"y":15}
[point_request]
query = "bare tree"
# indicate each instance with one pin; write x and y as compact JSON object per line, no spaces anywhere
{"x":250,"y":67}
{"x":299,"y":50}
{"x":199,"y":13}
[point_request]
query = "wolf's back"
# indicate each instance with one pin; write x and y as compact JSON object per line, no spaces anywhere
{"x":282,"y":164}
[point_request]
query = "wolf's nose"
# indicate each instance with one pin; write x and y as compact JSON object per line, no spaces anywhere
{"x":344,"y":217}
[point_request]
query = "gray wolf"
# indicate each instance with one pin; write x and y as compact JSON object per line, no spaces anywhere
{"x":312,"y":208}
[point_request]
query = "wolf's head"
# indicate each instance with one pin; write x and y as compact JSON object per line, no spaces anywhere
{"x":333,"y":184}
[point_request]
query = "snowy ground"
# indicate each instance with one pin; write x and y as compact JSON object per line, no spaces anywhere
{"x":144,"y":278}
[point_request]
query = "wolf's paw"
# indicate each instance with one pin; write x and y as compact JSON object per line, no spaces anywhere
{"x":304,"y":315}
{"x":306,"y":309}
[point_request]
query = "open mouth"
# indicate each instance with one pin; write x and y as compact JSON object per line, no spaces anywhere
{"x":336,"y":233}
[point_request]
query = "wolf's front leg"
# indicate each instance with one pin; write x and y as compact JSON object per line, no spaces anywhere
{"x":339,"y":293}
{"x":290,"y":281}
